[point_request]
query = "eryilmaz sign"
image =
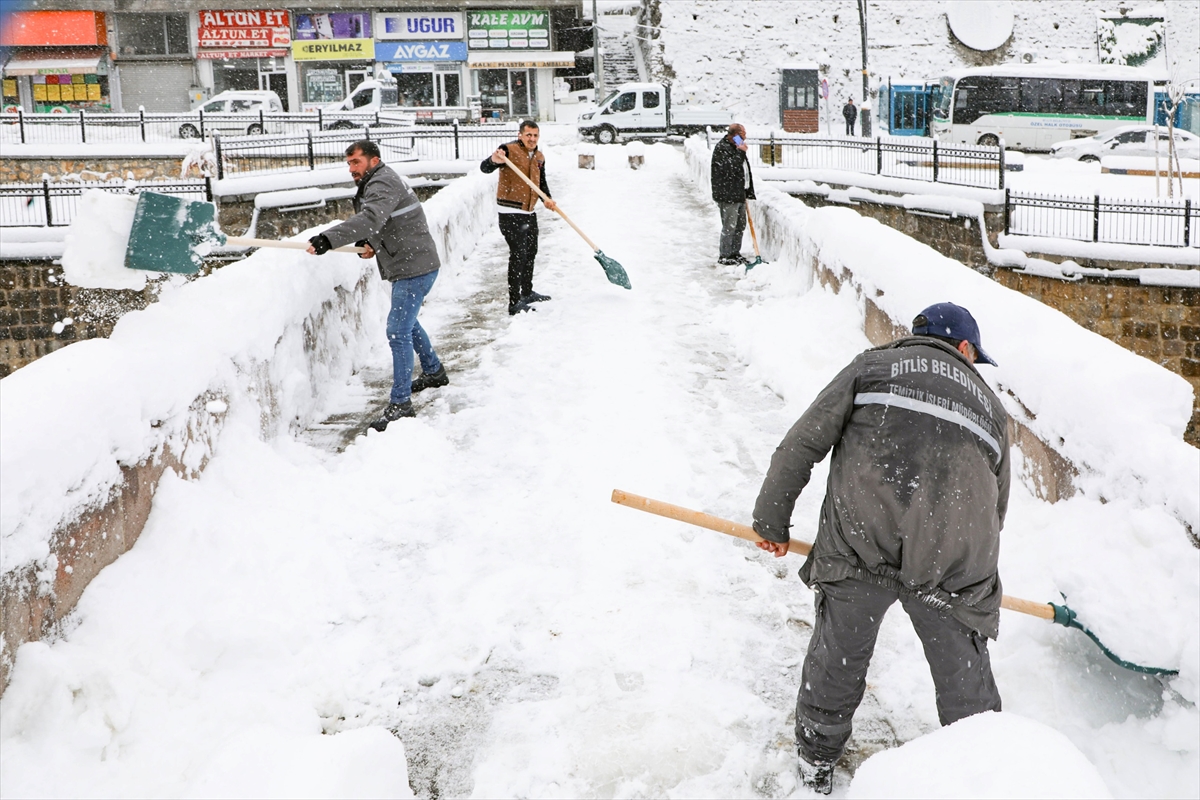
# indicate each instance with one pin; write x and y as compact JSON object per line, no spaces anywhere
{"x":440,"y":25}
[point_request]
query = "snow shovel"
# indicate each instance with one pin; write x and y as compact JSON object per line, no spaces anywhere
{"x":612,"y":270}
{"x":170,"y":234}
{"x":1059,"y":614}
{"x":758,"y":259}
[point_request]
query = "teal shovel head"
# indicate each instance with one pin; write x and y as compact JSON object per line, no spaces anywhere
{"x":167,"y":231}
{"x":612,"y":270}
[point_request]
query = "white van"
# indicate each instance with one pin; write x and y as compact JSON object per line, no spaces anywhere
{"x":232,"y":113}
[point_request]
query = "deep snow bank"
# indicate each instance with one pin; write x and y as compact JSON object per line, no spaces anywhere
{"x":259,"y":331}
{"x":987,"y":755}
{"x":1116,"y":417}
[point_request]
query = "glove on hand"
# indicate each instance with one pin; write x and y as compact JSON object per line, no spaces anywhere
{"x":321,"y":244}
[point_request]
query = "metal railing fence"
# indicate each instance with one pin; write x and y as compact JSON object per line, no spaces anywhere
{"x":94,"y":128}
{"x":244,"y":155}
{"x":54,"y":204}
{"x":1095,"y":219}
{"x":891,"y":156}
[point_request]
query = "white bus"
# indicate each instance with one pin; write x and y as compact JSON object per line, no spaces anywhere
{"x":1032,"y":106}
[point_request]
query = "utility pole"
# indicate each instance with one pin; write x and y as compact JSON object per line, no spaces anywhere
{"x":597,"y":60}
{"x":865,"y":127}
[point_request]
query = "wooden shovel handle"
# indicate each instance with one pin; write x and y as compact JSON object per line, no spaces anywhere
{"x":730,"y":528}
{"x":753,"y":235}
{"x":246,"y":241}
{"x":545,"y":197}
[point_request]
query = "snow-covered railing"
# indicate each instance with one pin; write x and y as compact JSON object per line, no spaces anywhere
{"x":250,"y":154}
{"x":1096,"y":219}
{"x":53,"y":203}
{"x":892,"y":156}
{"x":94,"y":128}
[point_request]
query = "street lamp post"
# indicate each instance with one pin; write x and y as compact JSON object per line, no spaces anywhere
{"x":597,"y":60}
{"x":866,"y":86}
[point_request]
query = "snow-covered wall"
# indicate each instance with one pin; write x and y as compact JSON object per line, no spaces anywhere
{"x":731,"y":53}
{"x":1116,"y":417}
{"x":258,"y":337}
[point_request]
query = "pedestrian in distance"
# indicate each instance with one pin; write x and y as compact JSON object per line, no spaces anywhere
{"x":732,"y":185}
{"x":850,"y":114}
{"x":515,"y":201}
{"x":389,"y":223}
{"x":917,"y":493}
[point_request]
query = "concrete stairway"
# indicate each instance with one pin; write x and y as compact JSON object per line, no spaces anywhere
{"x":617,"y":41}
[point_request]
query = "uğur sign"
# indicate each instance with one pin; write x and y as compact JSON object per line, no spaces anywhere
{"x":243,"y":34}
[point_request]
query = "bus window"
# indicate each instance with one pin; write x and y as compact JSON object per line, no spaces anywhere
{"x":980,"y":95}
{"x":1041,"y":95}
{"x":1125,"y":98}
{"x":943,"y":94}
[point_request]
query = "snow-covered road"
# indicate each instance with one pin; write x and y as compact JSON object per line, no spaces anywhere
{"x":464,"y":582}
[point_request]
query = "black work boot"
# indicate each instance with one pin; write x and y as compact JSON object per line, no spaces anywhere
{"x":431,"y":380}
{"x":519,"y":306}
{"x":534,"y":297}
{"x":816,"y":776}
{"x":393,"y":412}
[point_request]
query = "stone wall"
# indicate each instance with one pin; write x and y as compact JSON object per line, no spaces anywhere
{"x":31,"y":170}
{"x":36,"y":304}
{"x":954,"y":237}
{"x":1157,"y":322}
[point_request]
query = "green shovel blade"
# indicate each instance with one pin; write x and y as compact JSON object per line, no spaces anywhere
{"x":612,"y":270}
{"x":166,"y":232}
{"x":752,"y":264}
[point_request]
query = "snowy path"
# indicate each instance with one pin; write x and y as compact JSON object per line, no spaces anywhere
{"x":464,"y":581}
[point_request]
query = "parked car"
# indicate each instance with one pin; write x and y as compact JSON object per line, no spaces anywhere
{"x":228,"y":108}
{"x":1128,"y":140}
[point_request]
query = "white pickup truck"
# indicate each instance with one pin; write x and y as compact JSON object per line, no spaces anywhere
{"x":644,"y":111}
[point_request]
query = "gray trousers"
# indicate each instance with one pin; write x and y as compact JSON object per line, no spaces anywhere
{"x":733,"y":225}
{"x":849,"y":613}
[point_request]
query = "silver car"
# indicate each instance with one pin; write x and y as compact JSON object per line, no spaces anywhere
{"x":1128,"y":140}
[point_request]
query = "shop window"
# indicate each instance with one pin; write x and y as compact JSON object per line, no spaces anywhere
{"x":153,"y":34}
{"x":415,"y":89}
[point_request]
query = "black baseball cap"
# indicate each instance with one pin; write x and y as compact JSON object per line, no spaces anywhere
{"x":951,"y":322}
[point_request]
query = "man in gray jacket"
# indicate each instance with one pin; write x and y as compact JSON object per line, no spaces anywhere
{"x":390,"y":224}
{"x":918,"y":488}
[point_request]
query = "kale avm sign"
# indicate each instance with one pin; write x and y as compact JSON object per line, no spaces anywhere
{"x":420,"y":51}
{"x":440,"y":25}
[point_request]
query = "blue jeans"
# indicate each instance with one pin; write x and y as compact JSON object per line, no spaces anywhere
{"x":405,"y":334}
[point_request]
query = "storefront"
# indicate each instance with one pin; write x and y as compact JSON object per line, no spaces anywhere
{"x":512,"y":63}
{"x":154,"y":66}
{"x":246,"y":50}
{"x":334,"y":53}
{"x":426,"y":54}
{"x":59,"y":62}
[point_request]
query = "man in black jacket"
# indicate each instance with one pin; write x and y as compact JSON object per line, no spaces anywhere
{"x":390,"y":224}
{"x":732,"y":184}
{"x":917,"y":493}
{"x":850,"y":114}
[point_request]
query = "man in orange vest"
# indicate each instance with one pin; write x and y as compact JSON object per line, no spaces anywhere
{"x":518,"y":222}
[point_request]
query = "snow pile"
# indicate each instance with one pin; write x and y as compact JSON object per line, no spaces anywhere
{"x":1120,"y":424}
{"x":94,"y":256}
{"x":992,"y":755}
{"x":265,"y":330}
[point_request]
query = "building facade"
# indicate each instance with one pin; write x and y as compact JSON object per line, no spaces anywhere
{"x":500,"y":61}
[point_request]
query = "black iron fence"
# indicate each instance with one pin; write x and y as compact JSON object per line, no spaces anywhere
{"x":1095,"y":219}
{"x":54,"y":204}
{"x":893,"y":156}
{"x":307,"y":151}
{"x":90,"y":128}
